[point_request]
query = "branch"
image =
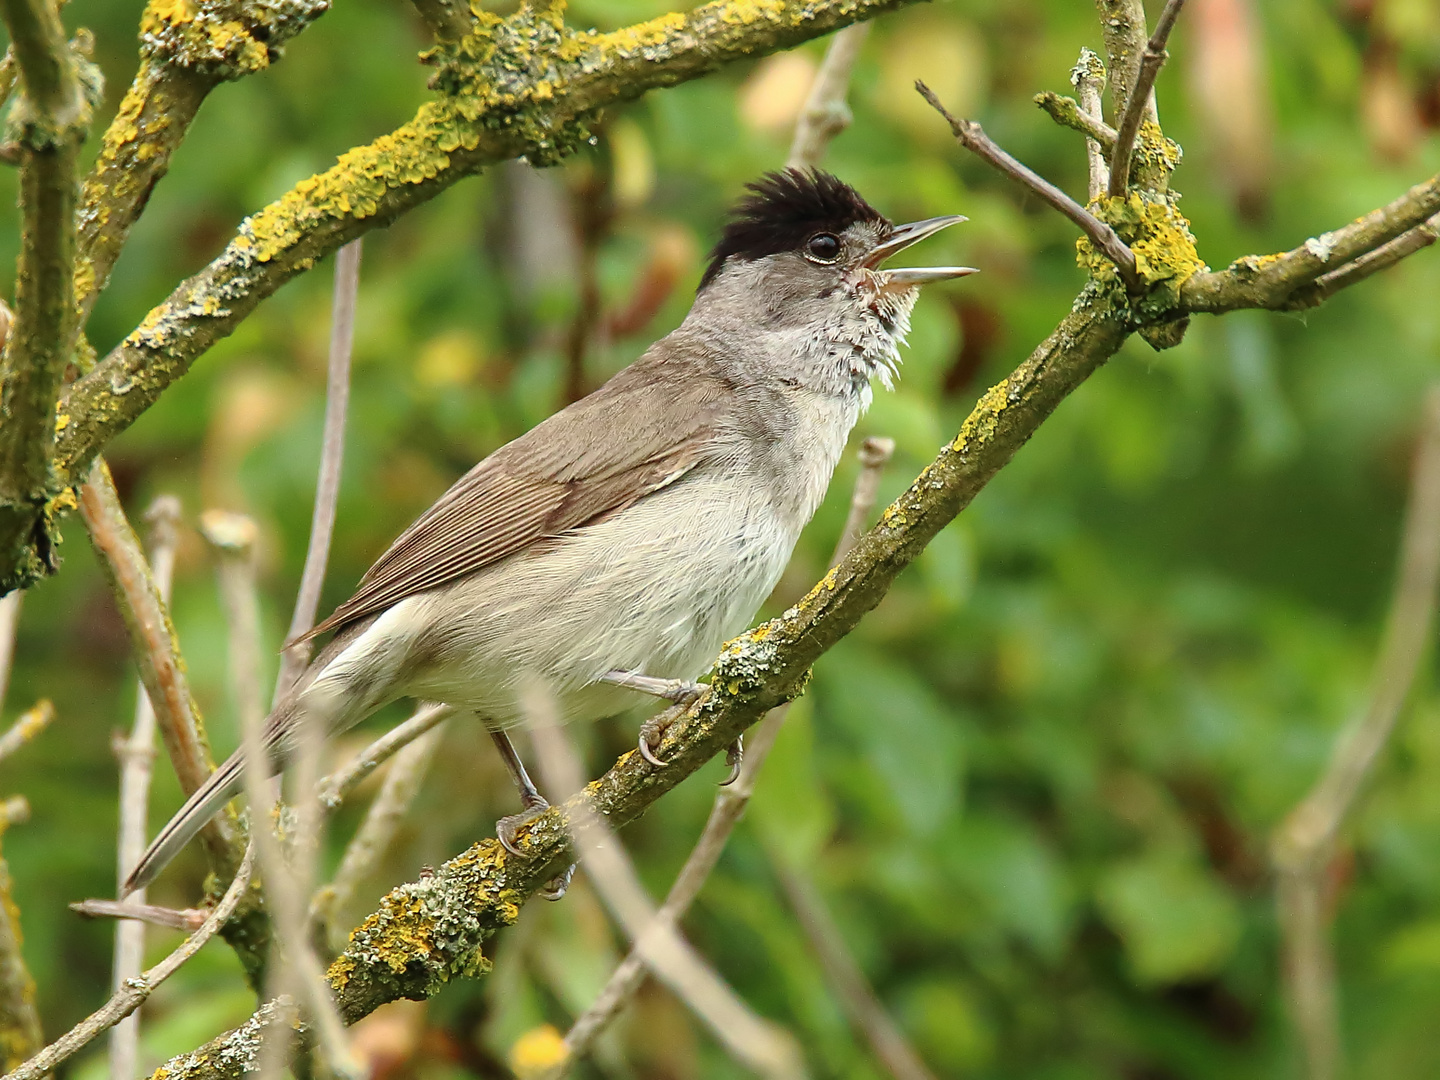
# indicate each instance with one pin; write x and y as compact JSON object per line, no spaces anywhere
{"x":133,"y":994}
{"x":1141,"y":99}
{"x":731,"y":800}
{"x":522,"y":86}
{"x":446,"y":19}
{"x":1067,"y":112}
{"x":31,"y":722}
{"x":376,"y":833}
{"x":1271,"y":281}
{"x":428,"y":932}
{"x":327,"y":488}
{"x":9,"y":623}
{"x":757,"y":1044}
{"x":1304,"y":844}
{"x":972,"y":136}
{"x":825,"y":114}
{"x":1382,"y":258}
{"x":185,"y":52}
{"x":128,"y":911}
{"x":51,"y":116}
{"x":1122,"y":24}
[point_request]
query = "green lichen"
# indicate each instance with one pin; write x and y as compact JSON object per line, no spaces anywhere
{"x":1165,"y":254}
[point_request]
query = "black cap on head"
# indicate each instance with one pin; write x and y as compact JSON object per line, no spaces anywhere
{"x":783,"y":210}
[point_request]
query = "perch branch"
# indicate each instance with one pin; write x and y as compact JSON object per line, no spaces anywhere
{"x":137,"y":757}
{"x":731,"y":800}
{"x":332,"y":454}
{"x":826,"y":114}
{"x":972,"y":136}
{"x":1305,"y":842}
{"x":1269,"y":281}
{"x":31,"y":722}
{"x":157,"y":654}
{"x":51,"y":117}
{"x":133,"y":994}
{"x":1140,"y":103}
{"x":755,"y":1043}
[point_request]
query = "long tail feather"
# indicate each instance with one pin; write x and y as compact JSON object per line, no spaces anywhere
{"x":209,"y":799}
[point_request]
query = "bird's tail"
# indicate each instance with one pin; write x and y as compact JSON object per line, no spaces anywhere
{"x":209,"y":799}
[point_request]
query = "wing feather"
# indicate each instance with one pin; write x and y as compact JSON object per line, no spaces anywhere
{"x":591,"y":459}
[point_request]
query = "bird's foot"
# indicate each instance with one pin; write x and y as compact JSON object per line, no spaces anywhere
{"x":734,"y":757}
{"x":679,"y":691}
{"x":507,"y":830}
{"x":653,"y":730}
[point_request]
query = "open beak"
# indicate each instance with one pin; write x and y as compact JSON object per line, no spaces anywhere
{"x":906,"y":235}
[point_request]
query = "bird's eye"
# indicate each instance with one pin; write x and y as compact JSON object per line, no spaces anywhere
{"x":823,"y":248}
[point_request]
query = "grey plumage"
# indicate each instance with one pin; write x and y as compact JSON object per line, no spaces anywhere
{"x":641,"y":527}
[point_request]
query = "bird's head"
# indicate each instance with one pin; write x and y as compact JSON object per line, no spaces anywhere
{"x":806,"y":237}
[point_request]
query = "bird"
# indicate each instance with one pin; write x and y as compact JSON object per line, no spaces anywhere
{"x":611,"y":550}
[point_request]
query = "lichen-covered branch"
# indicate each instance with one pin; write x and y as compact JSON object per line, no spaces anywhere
{"x":1067,"y":112}
{"x":186,"y":50}
{"x":1272,"y":281}
{"x":1141,"y":99}
{"x":51,"y":117}
{"x":521,"y":86}
{"x":431,"y":931}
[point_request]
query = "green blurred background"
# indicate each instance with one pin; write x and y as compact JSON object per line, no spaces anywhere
{"x":1035,"y":786}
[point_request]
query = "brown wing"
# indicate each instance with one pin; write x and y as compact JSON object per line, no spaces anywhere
{"x":596,"y":456}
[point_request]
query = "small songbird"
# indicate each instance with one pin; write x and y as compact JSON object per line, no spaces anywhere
{"x":610,"y":551}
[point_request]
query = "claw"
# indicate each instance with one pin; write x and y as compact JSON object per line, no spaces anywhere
{"x":556,"y":887}
{"x":734,"y":757}
{"x":653,"y":730}
{"x":507,"y":827}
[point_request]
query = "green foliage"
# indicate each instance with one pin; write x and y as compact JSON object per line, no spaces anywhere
{"x":1035,"y":787}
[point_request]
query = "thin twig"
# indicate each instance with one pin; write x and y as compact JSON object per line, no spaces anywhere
{"x":375,"y":834}
{"x":297,"y":972}
{"x":156,"y":650}
{"x":1067,"y":112}
{"x":1372,"y":262}
{"x":31,"y":722}
{"x":327,"y":487}
{"x":866,"y":1012}
{"x":338,"y":785}
{"x":1088,"y":78}
{"x":127,"y":911}
{"x":9,"y":623}
{"x":972,"y":136}
{"x":731,"y":800}
{"x":133,"y":994}
{"x":137,"y":756}
{"x":1304,"y":843}
{"x":1139,"y":102}
{"x":754,"y":1042}
{"x":826,"y":114}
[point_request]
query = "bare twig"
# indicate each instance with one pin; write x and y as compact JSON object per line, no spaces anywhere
{"x":732,"y":799}
{"x":137,"y":756}
{"x":152,"y":639}
{"x":866,"y":1012}
{"x":972,"y":136}
{"x":128,"y":911}
{"x":31,"y":722}
{"x":327,"y":487}
{"x":51,"y":118}
{"x":376,"y":832}
{"x":9,"y":623}
{"x":1304,"y":843}
{"x":1139,"y":102}
{"x":1088,"y":78}
{"x":297,"y":972}
{"x":754,"y":1042}
{"x":133,"y":994}
{"x":338,"y":785}
{"x":826,"y":114}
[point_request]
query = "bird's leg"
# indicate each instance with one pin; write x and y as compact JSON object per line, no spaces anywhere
{"x":734,"y":758}
{"x":534,"y":804}
{"x":682,"y":693}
